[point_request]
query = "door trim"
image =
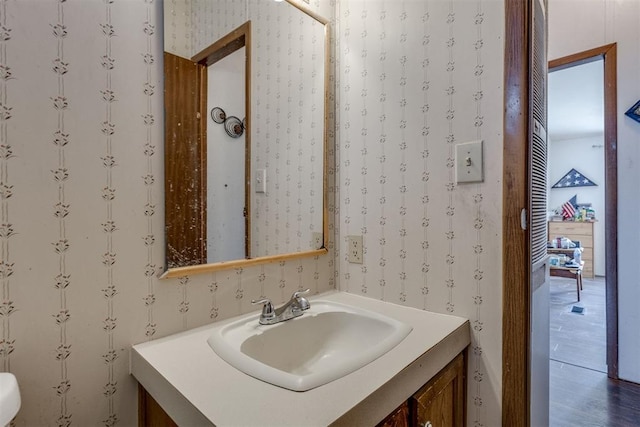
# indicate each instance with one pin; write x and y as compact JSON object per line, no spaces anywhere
{"x":608,"y":54}
{"x":516,"y":256}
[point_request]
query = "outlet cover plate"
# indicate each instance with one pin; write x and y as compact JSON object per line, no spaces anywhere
{"x":354,"y":249}
{"x":317,"y":242}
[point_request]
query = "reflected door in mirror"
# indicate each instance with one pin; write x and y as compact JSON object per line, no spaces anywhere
{"x":184,"y":163}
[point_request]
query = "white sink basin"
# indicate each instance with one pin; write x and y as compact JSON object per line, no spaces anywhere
{"x":329,"y":341}
{"x":9,"y":397}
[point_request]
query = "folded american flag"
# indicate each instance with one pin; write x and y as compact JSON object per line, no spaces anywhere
{"x":569,"y":208}
{"x":573,"y":178}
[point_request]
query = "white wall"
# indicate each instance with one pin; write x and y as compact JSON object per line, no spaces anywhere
{"x":586,"y":155}
{"x":576,"y":26}
{"x":226,"y":228}
{"x":416,"y":78}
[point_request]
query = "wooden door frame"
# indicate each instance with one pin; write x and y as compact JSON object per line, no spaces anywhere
{"x":516,"y":269}
{"x":516,"y":315}
{"x":608,"y":54}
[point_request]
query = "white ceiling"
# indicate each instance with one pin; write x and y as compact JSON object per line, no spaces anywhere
{"x":576,"y":101}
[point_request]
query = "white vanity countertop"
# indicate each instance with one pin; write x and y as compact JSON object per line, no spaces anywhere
{"x":196,"y":387}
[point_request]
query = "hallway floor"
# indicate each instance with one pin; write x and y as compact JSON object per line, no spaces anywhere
{"x":578,"y":339}
{"x":580,"y":392}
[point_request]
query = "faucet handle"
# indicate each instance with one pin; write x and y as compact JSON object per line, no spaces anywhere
{"x":303,"y":303}
{"x":298,"y":293}
{"x":267,"y":310}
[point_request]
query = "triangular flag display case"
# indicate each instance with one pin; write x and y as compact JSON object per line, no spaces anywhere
{"x":634,"y":112}
{"x":573,"y":178}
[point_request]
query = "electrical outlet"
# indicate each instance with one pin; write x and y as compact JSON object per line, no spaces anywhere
{"x":354,"y":249}
{"x":316,"y":240}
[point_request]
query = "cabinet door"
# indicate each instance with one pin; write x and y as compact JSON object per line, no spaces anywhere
{"x":398,"y":418}
{"x":441,"y":402}
{"x":150,"y":414}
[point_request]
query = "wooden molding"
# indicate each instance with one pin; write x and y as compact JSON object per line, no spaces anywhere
{"x":226,"y":45}
{"x":517,"y":268}
{"x":239,"y":263}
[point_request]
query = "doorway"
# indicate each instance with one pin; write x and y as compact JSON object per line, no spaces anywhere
{"x":575,"y":170}
{"x":227,"y":214}
{"x":606,"y":55}
{"x":517,"y":301}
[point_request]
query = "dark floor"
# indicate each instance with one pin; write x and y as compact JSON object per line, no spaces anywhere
{"x":580,"y":392}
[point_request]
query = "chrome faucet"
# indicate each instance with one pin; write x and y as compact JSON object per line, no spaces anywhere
{"x":293,"y":308}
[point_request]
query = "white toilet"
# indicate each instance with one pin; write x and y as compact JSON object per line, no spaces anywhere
{"x":9,"y":397}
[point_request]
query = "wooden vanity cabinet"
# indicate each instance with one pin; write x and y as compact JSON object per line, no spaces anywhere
{"x":398,"y":418}
{"x":439,"y":403}
{"x":442,"y":401}
{"x":150,"y":413}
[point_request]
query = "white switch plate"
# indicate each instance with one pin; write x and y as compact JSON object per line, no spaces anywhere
{"x":469,"y":162}
{"x":354,"y":249}
{"x":261,"y":180}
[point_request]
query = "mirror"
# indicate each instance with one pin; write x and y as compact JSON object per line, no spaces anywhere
{"x":246,"y":113}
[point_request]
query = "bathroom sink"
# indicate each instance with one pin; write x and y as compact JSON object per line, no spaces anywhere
{"x":9,"y":397}
{"x":328,"y":342}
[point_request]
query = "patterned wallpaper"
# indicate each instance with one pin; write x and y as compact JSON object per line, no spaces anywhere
{"x":177,"y":27}
{"x":81,"y":192}
{"x":212,"y":19}
{"x":81,"y":217}
{"x":416,"y":78}
{"x":287,"y":128}
{"x":286,"y":114}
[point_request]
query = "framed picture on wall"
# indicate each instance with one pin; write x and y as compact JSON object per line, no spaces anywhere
{"x":634,"y":112}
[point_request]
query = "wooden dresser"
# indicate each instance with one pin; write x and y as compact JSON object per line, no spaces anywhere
{"x":580,"y":231}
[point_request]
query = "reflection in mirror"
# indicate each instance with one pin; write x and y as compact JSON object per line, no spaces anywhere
{"x":226,"y":219}
{"x":259,"y":197}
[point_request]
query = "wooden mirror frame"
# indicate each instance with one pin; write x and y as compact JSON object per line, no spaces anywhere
{"x":185,"y":223}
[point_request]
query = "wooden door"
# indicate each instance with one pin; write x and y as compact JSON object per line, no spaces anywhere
{"x":185,"y":184}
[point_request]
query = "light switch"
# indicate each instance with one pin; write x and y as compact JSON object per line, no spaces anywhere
{"x":261,"y":181}
{"x":469,"y":163}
